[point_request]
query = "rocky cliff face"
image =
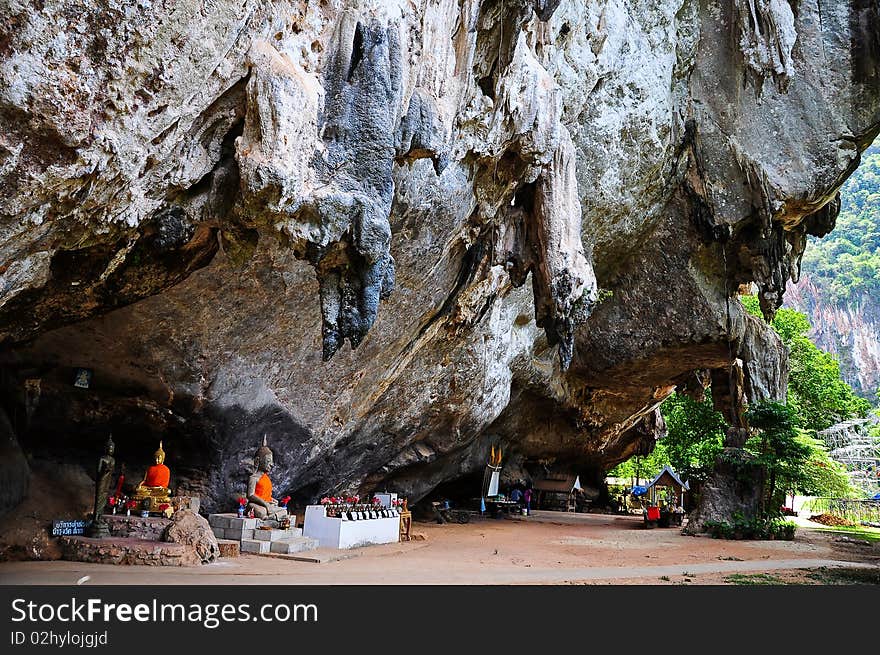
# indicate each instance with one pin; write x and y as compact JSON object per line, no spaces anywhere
{"x":527,"y":219}
{"x":851,"y":334}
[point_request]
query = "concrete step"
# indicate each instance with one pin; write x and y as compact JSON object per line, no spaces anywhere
{"x":232,"y":521}
{"x":233,"y":533}
{"x":277,"y":535}
{"x":293,"y":545}
{"x":255,"y":546}
{"x":320,"y":555}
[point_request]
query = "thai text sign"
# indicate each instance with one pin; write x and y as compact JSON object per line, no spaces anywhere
{"x":60,"y":528}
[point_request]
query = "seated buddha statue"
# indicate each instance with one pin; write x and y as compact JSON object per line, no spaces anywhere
{"x":259,"y":492}
{"x":154,"y":487}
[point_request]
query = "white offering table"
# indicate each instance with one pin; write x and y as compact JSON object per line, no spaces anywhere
{"x":333,"y":532}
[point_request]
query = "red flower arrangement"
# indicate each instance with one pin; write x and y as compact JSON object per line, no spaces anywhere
{"x":376,"y":500}
{"x":285,"y":500}
{"x":242,"y":501}
{"x":325,"y":500}
{"x":163,"y":507}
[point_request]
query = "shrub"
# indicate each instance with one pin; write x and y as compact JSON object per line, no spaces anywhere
{"x":751,"y":528}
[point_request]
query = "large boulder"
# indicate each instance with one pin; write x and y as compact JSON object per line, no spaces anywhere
{"x":189,"y":528}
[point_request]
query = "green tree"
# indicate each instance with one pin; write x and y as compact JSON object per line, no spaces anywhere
{"x":816,"y":391}
{"x":821,"y":475}
{"x":791,"y":460}
{"x":694,"y":436}
{"x":641,"y":467}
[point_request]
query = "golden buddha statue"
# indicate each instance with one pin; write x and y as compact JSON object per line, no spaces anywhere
{"x":154,"y":487}
{"x":259,"y":492}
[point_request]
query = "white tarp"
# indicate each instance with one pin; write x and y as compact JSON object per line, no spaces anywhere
{"x":493,"y":483}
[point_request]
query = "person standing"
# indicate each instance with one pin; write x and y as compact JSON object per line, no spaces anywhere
{"x":527,"y":496}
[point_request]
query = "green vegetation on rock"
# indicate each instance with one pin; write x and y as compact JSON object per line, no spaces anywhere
{"x":695,"y":436}
{"x":816,"y":390}
{"x":786,"y":446}
{"x":845,"y":264}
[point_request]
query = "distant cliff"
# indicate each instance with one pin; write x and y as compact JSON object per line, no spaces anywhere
{"x":840,"y":286}
{"x":851,"y":332}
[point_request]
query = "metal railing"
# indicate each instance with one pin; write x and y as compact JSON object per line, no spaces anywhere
{"x":852,"y":509}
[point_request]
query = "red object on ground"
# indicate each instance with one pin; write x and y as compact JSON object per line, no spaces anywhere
{"x":653,"y":513}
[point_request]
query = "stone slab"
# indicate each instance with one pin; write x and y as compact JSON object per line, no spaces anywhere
{"x":317,"y":556}
{"x":254,"y":546}
{"x":128,"y":551}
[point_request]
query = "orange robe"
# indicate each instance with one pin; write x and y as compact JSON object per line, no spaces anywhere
{"x":158,"y":475}
{"x":263,"y":488}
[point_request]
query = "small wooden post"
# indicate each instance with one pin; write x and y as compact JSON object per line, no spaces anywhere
{"x":405,"y":522}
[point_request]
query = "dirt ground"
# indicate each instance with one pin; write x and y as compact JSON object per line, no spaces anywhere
{"x":547,"y":548}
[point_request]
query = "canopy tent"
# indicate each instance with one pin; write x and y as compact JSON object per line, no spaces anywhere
{"x":563,"y":484}
{"x":557,"y":491}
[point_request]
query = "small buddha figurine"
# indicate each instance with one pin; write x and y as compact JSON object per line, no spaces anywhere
{"x":154,"y":487}
{"x":259,"y":491}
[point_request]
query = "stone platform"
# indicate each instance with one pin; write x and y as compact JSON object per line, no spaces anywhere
{"x":135,"y":527}
{"x":259,"y":537}
{"x":128,"y":550}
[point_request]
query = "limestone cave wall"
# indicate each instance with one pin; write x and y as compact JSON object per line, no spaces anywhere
{"x":390,"y":234}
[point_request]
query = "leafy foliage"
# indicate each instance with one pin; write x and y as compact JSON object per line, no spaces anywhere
{"x":695,"y":436}
{"x":793,"y":461}
{"x":756,"y":527}
{"x":777,"y":449}
{"x":845,"y":265}
{"x":816,"y":391}
{"x":786,"y":451}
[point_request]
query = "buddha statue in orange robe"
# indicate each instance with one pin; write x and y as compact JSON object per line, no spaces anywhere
{"x":259,"y":493}
{"x":154,"y":487}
